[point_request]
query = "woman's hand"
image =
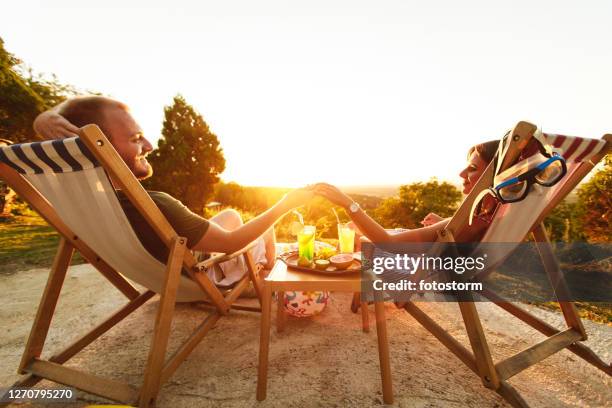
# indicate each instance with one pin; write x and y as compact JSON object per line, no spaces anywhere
{"x":354,"y":227}
{"x":52,"y":125}
{"x":333,"y":194}
{"x":431,"y":219}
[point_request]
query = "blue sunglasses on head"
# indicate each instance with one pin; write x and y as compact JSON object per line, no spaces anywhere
{"x":545,"y":174}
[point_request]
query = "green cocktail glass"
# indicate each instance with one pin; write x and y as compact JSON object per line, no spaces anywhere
{"x":306,"y":242}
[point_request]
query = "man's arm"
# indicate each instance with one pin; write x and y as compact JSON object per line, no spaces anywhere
{"x":51,"y":125}
{"x":217,"y":239}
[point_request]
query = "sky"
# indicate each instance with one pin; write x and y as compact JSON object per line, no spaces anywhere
{"x":348,"y":92}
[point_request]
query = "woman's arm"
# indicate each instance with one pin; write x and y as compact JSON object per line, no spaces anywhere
{"x":370,"y":228}
{"x":424,"y":234}
{"x":366,"y":224}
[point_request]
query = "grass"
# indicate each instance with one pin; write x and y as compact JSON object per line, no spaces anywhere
{"x":26,"y":242}
{"x":597,"y":312}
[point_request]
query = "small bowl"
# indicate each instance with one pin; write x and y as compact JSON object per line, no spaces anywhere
{"x":341,"y":261}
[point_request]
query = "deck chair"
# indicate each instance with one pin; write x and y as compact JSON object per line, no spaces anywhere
{"x":512,"y":223}
{"x":68,"y":182}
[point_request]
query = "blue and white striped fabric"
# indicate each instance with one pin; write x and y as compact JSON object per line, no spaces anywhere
{"x":55,"y":156}
{"x":70,"y":178}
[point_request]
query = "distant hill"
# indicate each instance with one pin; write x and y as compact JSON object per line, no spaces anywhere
{"x":367,"y":202}
{"x":376,"y":191}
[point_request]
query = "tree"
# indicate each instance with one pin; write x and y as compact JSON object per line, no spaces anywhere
{"x":23,"y":95}
{"x":19,"y":103}
{"x":415,"y":201}
{"x":188,"y":158}
{"x":595,"y":201}
{"x":564,"y":223}
{"x":230,"y":194}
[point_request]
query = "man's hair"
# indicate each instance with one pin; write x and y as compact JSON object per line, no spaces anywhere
{"x":485,"y":150}
{"x":87,"y":110}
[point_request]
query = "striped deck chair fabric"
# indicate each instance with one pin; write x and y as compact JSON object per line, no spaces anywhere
{"x":77,"y":187}
{"x":512,"y":222}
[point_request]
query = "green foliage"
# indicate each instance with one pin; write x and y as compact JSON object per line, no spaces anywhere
{"x":415,"y":201}
{"x":564,"y":223}
{"x":595,"y":201}
{"x":597,"y":312}
{"x":188,"y":159}
{"x":253,"y":199}
{"x":24,"y":95}
{"x":19,"y":103}
{"x":589,"y":217}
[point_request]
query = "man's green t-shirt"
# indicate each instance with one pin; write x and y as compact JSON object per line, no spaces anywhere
{"x":186,"y":223}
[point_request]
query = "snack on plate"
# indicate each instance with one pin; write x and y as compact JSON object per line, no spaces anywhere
{"x":325,"y":253}
{"x":341,"y":261}
{"x":322,"y":264}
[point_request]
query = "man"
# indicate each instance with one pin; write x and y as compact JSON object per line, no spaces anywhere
{"x":223,"y":233}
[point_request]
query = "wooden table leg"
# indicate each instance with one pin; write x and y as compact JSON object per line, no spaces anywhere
{"x":281,"y":316}
{"x":355,"y":302}
{"x":383,"y":351}
{"x":264,"y":342}
{"x":365,"y":317}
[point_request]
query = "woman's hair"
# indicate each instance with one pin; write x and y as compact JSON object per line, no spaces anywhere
{"x":485,"y":150}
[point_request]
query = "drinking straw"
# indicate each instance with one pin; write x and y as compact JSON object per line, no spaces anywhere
{"x":336,"y":214}
{"x":296,"y":212}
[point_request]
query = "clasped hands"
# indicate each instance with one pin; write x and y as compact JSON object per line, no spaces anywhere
{"x":333,"y":194}
{"x":301,"y":196}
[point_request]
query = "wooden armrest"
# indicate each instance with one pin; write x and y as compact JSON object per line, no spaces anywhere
{"x":221,"y":257}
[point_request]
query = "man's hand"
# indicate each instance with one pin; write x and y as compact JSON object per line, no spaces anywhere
{"x":297,"y":197}
{"x":52,"y":125}
{"x":333,"y":194}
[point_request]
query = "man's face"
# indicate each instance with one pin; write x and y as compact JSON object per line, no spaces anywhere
{"x":127,"y":138}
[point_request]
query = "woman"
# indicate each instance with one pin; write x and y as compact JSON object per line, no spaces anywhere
{"x":479,"y":157}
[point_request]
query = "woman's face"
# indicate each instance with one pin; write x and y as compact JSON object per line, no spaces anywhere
{"x":472,"y":172}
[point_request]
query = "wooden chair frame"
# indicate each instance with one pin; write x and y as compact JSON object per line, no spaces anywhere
{"x":158,"y":369}
{"x":479,"y":359}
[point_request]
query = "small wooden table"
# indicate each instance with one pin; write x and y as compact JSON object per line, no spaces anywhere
{"x":282,"y":279}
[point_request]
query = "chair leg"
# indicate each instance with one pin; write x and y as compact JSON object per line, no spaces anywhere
{"x":577,"y":348}
{"x":264,"y":343}
{"x":482,"y":354}
{"x":46,"y":308}
{"x":254,"y":275}
{"x":157,"y":353}
{"x":510,"y":394}
{"x":551,"y":266}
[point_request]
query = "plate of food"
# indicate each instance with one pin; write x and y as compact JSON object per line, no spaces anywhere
{"x":326,"y":262}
